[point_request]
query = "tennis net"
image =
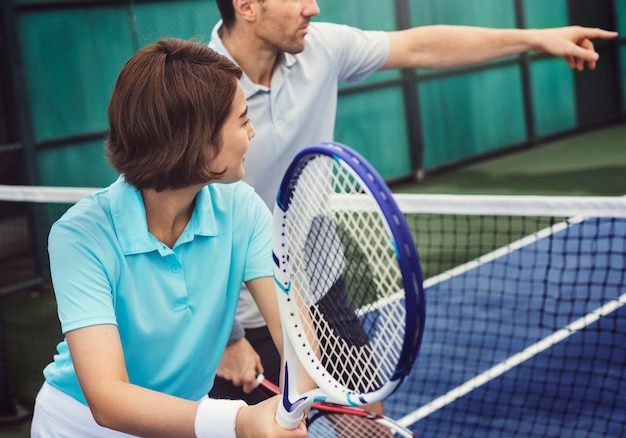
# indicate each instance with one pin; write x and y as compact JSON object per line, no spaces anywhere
{"x":526,"y":317}
{"x":525,"y":328}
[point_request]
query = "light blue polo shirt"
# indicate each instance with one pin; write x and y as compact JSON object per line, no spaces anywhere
{"x":174,"y":307}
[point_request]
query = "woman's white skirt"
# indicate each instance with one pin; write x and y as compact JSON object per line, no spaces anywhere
{"x":57,"y":415}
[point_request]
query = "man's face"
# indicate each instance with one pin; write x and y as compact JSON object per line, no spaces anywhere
{"x":282,"y":24}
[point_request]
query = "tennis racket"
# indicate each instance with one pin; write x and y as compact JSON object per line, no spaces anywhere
{"x":348,"y":281}
{"x":327,"y":420}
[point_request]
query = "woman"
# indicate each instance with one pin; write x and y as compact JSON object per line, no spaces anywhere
{"x":147,"y":272}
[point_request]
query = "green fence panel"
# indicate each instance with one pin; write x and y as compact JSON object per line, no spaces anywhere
{"x":553,"y":96}
{"x":76,"y":165}
{"x":620,"y":10}
{"x":468,"y":115}
{"x":188,"y":19}
{"x":545,"y":13}
{"x":374,"y":16}
{"x":622,"y":50}
{"x":71,"y":58}
{"x":552,"y":83}
{"x":487,"y":13}
{"x":373,"y":123}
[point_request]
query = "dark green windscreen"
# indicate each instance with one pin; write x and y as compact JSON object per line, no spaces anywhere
{"x":373,"y":123}
{"x":545,"y":13}
{"x":551,"y":80}
{"x":373,"y":16}
{"x":620,"y":13}
{"x":623,"y":61}
{"x":620,"y":8}
{"x":188,"y":19}
{"x":487,"y":13}
{"x":471,"y":114}
{"x":71,"y":58}
{"x":76,"y":165}
{"x":553,"y":96}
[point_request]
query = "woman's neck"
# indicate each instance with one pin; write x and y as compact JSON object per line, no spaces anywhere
{"x":168,"y":212}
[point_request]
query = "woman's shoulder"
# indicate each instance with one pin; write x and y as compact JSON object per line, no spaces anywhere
{"x":91,"y":212}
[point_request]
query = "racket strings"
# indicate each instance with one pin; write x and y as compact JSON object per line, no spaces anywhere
{"x":335,"y":425}
{"x":346,"y":274}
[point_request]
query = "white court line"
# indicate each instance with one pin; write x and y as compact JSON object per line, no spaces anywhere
{"x":513,"y":361}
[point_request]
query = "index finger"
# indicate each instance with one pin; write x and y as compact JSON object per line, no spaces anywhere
{"x":595,"y":32}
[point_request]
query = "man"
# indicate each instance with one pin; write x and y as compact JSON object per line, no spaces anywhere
{"x":292,"y":68}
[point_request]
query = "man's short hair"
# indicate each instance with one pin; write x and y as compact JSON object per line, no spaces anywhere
{"x":227,"y":11}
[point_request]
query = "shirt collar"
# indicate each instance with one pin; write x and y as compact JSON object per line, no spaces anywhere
{"x":129,"y":219}
{"x":285,"y":61}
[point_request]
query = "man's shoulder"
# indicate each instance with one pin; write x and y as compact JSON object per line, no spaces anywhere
{"x":328,"y":34}
{"x":324,"y":28}
{"x":327,"y":38}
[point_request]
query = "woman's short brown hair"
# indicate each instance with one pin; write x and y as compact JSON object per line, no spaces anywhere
{"x":166,"y":111}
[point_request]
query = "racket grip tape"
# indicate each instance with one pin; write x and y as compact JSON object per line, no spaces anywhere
{"x":286,"y":419}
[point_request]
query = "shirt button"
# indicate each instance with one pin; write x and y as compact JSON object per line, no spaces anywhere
{"x":175,"y":269}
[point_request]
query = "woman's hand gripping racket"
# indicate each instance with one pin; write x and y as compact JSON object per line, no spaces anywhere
{"x":327,"y":420}
{"x":348,"y":281}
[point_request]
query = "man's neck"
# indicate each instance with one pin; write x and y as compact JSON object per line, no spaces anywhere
{"x":255,"y":60}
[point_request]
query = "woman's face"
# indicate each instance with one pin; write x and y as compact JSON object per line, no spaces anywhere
{"x":234,"y":137}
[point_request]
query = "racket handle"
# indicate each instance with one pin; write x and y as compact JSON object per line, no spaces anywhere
{"x":286,"y":419}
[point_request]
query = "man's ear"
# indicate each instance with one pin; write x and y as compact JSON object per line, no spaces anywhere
{"x":245,"y":9}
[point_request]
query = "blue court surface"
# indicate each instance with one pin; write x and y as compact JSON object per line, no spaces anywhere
{"x":527,"y":341}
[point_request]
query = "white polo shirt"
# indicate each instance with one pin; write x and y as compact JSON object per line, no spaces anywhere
{"x":299,"y":107}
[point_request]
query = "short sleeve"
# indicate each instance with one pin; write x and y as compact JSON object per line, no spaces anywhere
{"x":81,"y":286}
{"x":356,"y":53}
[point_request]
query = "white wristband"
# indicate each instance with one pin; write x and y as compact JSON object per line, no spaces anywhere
{"x":217,"y":418}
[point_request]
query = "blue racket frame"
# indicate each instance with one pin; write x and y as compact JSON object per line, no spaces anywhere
{"x":406,"y":253}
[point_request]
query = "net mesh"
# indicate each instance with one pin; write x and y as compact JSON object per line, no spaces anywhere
{"x":525,"y":319}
